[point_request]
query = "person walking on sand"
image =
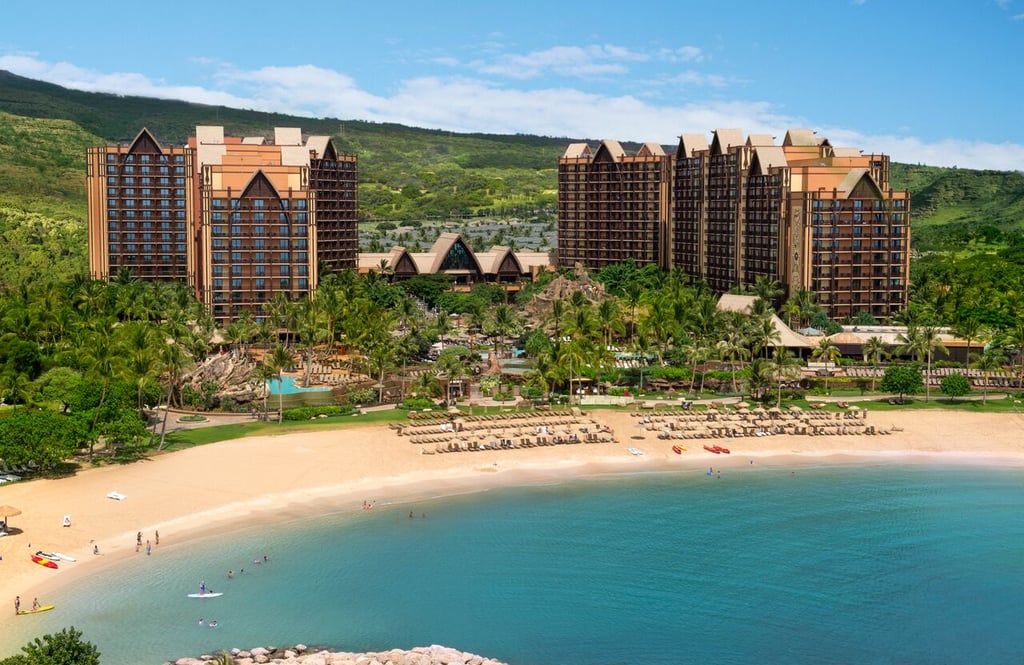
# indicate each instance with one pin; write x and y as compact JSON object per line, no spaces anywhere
{"x":157,"y":537}
{"x":149,"y":548}
{"x":17,"y":604}
{"x":138,"y":539}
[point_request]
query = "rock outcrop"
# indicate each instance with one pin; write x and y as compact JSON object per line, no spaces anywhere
{"x":302,"y":655}
{"x":232,"y":373}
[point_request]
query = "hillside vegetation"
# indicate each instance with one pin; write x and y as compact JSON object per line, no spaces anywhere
{"x":406,"y":174}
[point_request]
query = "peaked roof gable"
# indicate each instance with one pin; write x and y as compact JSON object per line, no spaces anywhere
{"x":577,"y":151}
{"x":725,"y":139}
{"x":689,"y":144}
{"x":450,"y":249}
{"x":860,"y":185}
{"x":259,"y":186}
{"x":145,"y":143}
{"x":765,"y":158}
{"x":609,"y":151}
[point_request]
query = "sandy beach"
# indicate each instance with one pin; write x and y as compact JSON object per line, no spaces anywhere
{"x":213,"y":488}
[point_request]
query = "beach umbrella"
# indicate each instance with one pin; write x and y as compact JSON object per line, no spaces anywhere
{"x":8,"y":511}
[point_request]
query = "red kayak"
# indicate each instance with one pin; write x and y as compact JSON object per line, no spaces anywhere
{"x":713,"y":449}
{"x":677,"y":450}
{"x":722,"y":450}
{"x":44,"y":562}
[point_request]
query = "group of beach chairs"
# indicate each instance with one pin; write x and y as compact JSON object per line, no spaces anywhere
{"x":441,"y":433}
{"x":469,"y":445}
{"x":11,"y":473}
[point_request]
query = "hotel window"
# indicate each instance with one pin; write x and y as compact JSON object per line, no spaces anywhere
{"x":236,"y":284}
{"x":286,"y":284}
{"x":260,"y":283}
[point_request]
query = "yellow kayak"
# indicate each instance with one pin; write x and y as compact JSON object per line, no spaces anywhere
{"x":44,"y":608}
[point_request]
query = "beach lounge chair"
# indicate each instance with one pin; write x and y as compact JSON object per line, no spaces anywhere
{"x":116,"y":496}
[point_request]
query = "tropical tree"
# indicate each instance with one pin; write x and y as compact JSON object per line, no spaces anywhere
{"x":902,"y":380}
{"x":874,"y":348}
{"x":103,"y":360}
{"x":767,"y":288}
{"x":278,"y":360}
{"x":783,"y":367}
{"x":990,"y":360}
{"x":955,"y":385}
{"x":504,"y":322}
{"x":827,"y":352}
{"x":732,"y":349}
{"x":922,"y":343}
{"x":63,"y":648}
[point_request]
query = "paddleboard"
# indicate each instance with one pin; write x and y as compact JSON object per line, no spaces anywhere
{"x":44,"y":608}
{"x":64,"y":557}
{"x":44,"y":562}
{"x":208,"y":594}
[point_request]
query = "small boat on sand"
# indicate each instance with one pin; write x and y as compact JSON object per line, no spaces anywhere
{"x":712,"y":449}
{"x":42,"y":561}
{"x":678,"y":450}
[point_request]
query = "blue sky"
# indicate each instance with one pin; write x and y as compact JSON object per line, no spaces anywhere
{"x":939,"y":83}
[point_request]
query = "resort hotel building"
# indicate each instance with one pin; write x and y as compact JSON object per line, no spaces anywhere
{"x":809,"y":214}
{"x":236,"y":219}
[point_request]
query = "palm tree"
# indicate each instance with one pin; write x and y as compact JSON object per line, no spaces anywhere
{"x":827,"y":352}
{"x":557,"y":314}
{"x":969,"y":329}
{"x":104,"y":361}
{"x":783,"y":367}
{"x":988,"y":361}
{"x":922,"y":342}
{"x":453,"y":367}
{"x":504,"y":322}
{"x":790,"y":308}
{"x":873,"y":349}
{"x":633,"y":293}
{"x":610,"y":319}
{"x":765,"y":334}
{"x":733,"y":348}
{"x":767,"y":288}
{"x":426,"y":384}
{"x":443,"y":326}
{"x":1014,"y":337}
{"x":279,"y":359}
{"x":173,"y":361}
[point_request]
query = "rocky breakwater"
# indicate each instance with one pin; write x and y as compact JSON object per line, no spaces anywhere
{"x":301,"y":655}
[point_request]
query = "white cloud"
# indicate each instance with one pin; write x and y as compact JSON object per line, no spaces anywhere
{"x":473,"y":105}
{"x":579,"y":61}
{"x":682,"y":54}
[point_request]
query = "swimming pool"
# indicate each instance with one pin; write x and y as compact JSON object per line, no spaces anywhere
{"x":289,"y":385}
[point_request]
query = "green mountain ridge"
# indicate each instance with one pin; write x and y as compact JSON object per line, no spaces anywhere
{"x":406,"y":173}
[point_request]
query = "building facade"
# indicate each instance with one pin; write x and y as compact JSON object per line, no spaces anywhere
{"x":613,"y":206}
{"x":237,"y":219}
{"x":811,"y":215}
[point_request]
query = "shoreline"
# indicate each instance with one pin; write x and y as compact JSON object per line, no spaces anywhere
{"x":217,"y":488}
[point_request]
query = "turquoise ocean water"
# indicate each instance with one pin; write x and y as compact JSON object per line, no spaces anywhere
{"x":825,"y":565}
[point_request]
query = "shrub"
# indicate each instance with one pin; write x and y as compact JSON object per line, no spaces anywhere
{"x":417,"y":403}
{"x":307,"y":412}
{"x":361,"y":396}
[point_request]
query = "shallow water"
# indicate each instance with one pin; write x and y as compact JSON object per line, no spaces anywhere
{"x":824,"y":565}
